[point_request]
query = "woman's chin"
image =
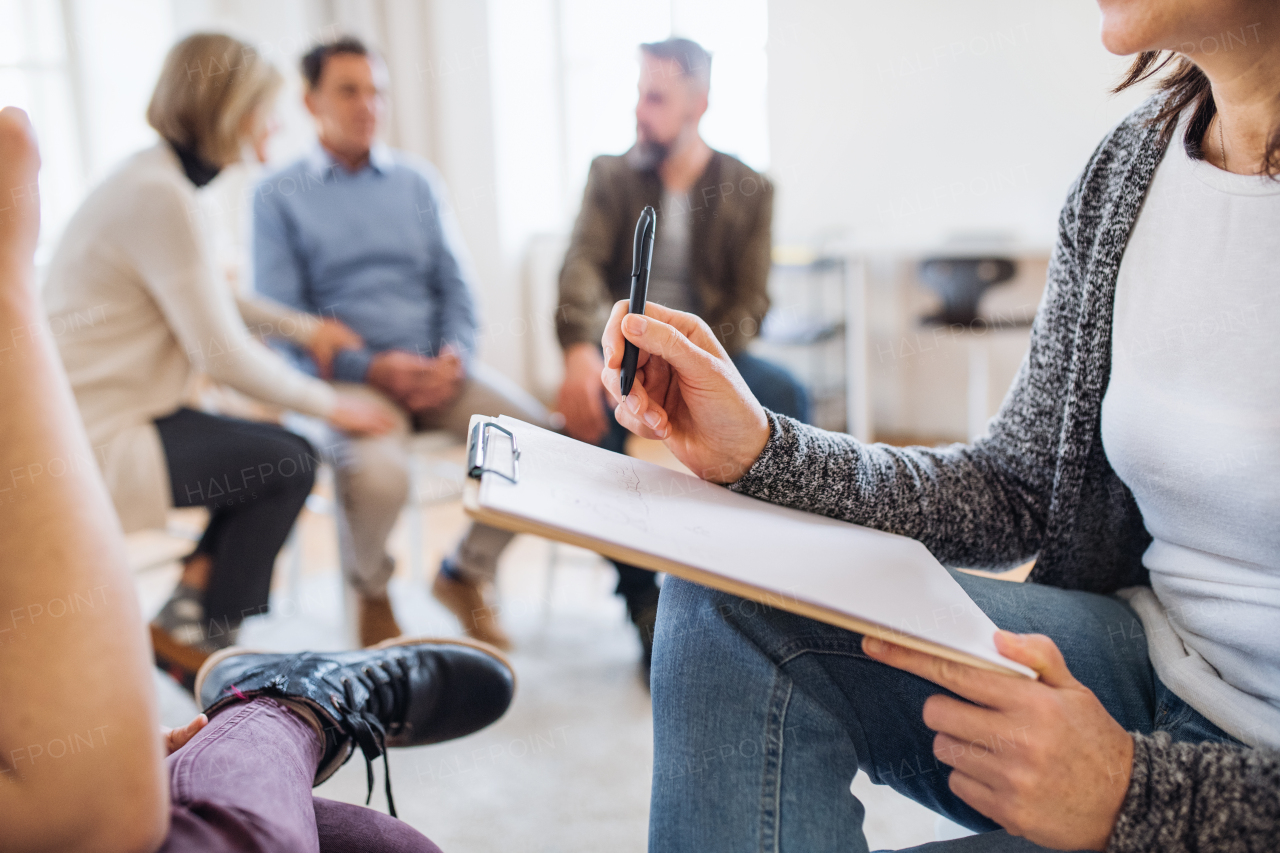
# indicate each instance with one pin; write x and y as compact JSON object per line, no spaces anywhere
{"x":1120,"y":41}
{"x":1133,"y":26}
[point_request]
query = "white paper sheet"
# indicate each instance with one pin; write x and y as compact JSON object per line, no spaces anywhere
{"x":878,"y":577}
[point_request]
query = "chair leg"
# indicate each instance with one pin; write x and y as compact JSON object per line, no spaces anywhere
{"x":417,"y":571}
{"x":553,"y":560}
{"x":293,"y":568}
{"x":416,"y":531}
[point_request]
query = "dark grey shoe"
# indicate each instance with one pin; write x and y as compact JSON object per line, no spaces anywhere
{"x":643,"y":610}
{"x":182,"y":618}
{"x":404,"y":692}
{"x":182,"y":639}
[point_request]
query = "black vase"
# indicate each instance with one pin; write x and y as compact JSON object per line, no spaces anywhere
{"x":960,"y":282}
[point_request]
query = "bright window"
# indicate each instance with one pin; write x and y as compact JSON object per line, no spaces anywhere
{"x":36,"y":75}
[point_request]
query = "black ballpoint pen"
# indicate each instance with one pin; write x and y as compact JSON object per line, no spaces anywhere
{"x":641,"y":261}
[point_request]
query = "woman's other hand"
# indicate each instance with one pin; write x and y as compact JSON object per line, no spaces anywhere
{"x":358,"y":416}
{"x":329,"y":338}
{"x":581,"y":400}
{"x":687,"y":392}
{"x":1044,"y":759}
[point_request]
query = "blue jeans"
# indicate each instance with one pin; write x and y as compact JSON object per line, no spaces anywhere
{"x":775,"y":388}
{"x":762,"y":718}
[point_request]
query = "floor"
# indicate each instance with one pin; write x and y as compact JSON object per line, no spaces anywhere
{"x":567,"y":769}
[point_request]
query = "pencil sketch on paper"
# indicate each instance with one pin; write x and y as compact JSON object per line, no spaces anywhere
{"x":724,"y":537}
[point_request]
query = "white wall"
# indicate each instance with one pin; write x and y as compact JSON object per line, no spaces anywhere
{"x":897,"y":126}
{"x":899,"y":123}
{"x":119,"y":58}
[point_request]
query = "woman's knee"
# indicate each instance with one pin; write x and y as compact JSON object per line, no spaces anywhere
{"x":695,"y":609}
{"x":693,"y":623}
{"x":683,"y":605}
{"x":679,"y":607}
{"x":294,"y":465}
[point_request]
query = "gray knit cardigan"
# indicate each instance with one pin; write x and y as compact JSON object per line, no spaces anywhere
{"x":1039,"y":485}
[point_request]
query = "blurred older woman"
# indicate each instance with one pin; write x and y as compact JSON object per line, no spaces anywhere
{"x":138,"y":313}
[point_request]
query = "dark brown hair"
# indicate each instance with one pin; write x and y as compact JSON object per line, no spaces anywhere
{"x":314,"y":60}
{"x":693,"y":59}
{"x":1187,"y":86}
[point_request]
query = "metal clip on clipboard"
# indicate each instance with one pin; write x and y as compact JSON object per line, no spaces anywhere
{"x":478,"y":452}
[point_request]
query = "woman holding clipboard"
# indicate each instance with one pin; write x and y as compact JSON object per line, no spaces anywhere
{"x":1150,"y":614}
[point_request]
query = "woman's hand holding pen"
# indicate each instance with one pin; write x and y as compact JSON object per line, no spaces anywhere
{"x":687,"y":392}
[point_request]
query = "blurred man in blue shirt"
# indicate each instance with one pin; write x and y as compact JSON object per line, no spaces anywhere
{"x":365,"y":234}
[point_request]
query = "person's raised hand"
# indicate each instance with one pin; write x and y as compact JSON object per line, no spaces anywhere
{"x":687,"y":392}
{"x":582,"y":399}
{"x":358,"y":416}
{"x":1044,"y":759}
{"x":19,"y":170}
{"x":176,"y":739}
{"x":329,"y":338}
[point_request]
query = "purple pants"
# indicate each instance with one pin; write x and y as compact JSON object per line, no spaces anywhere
{"x":243,"y":784}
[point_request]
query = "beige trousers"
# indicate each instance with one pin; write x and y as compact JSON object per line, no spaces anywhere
{"x":372,"y":478}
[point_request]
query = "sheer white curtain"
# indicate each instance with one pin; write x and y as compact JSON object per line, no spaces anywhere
{"x":36,"y":75}
{"x":83,"y":71}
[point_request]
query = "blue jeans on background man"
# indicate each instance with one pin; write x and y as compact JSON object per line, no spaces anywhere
{"x":762,"y":718}
{"x":774,"y":386}
{"x":776,"y":389}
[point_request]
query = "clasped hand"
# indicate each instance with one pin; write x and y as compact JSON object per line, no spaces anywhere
{"x":415,"y":381}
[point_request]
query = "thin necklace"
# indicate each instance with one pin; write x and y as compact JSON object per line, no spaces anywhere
{"x":1222,"y":148}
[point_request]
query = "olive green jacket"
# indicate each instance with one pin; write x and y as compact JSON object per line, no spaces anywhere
{"x":732,"y":212}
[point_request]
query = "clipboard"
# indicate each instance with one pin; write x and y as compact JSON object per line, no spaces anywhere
{"x":529,"y":480}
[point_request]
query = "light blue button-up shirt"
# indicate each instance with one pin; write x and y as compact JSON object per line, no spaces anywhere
{"x":378,"y":249}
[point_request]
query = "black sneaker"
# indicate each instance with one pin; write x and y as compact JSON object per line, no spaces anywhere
{"x":404,"y":692}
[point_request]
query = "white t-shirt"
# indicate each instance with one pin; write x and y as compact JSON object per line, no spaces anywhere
{"x":1191,"y":417}
{"x":671,"y":277}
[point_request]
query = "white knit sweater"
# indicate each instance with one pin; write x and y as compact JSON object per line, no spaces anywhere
{"x":136,"y":313}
